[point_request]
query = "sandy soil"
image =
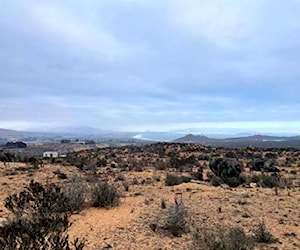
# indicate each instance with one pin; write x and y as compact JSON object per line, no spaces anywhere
{"x":127,"y":226}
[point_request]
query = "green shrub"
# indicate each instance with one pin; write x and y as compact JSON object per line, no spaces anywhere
{"x":216,"y":181}
{"x":105,"y":195}
{"x":229,"y":170}
{"x":234,"y":182}
{"x":172,"y":180}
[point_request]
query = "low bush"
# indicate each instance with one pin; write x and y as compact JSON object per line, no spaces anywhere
{"x":262,"y":235}
{"x":234,"y":181}
{"x":172,"y":180}
{"x":105,"y":195}
{"x":268,"y":181}
{"x":216,"y":181}
{"x":176,"y":221}
{"x":260,"y":164}
{"x":198,"y":175}
{"x":39,"y":220}
{"x":35,"y":232}
{"x":75,"y":192}
{"x":36,"y":197}
{"x":221,"y":239}
{"x":160,"y":165}
{"x":229,"y":170}
{"x":273,"y":181}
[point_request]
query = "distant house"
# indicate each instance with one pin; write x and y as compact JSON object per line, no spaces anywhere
{"x":17,"y":144}
{"x":80,"y":142}
{"x":50,"y":154}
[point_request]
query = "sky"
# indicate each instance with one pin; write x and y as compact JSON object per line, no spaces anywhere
{"x":136,"y":65}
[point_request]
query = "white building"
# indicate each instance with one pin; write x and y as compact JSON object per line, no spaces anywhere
{"x":50,"y":154}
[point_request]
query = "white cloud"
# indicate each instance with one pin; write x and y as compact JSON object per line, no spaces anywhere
{"x":217,"y":127}
{"x":223,"y":23}
{"x":58,"y":23}
{"x":149,"y":63}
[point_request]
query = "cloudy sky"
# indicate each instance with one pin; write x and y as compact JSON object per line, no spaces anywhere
{"x":150,"y":64}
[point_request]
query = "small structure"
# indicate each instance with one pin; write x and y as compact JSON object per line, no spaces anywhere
{"x":50,"y":154}
{"x":80,"y":142}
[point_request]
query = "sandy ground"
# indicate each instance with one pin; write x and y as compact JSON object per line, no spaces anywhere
{"x":127,"y":226}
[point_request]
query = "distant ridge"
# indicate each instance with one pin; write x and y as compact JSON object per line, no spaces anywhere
{"x":254,"y":140}
{"x":264,"y":141}
{"x":9,"y":132}
{"x":73,"y":133}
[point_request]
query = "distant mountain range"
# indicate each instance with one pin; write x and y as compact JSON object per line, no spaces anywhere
{"x":78,"y":130}
{"x":58,"y":134}
{"x":254,"y":141}
{"x":14,"y":135}
{"x":4,"y":133}
{"x":101,"y":135}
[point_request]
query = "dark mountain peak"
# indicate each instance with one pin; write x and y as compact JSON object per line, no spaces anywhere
{"x":193,"y":138}
{"x":258,"y":140}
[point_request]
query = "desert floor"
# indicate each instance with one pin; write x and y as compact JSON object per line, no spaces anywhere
{"x":130,"y":224}
{"x":127,"y":226}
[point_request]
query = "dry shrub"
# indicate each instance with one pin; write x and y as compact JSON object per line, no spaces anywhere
{"x":176,"y":221}
{"x":105,"y":195}
{"x":172,"y":180}
{"x":40,"y":220}
{"x":262,"y":234}
{"x":220,"y":239}
{"x":274,"y":181}
{"x":75,"y":192}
